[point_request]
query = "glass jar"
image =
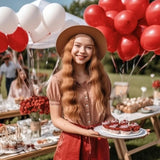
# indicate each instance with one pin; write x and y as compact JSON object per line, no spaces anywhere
{"x":35,"y":125}
{"x":156,"y":97}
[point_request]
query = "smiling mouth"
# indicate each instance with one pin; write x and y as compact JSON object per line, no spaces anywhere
{"x":81,"y":56}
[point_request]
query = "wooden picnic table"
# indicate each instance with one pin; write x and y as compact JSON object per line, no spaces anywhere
{"x":9,"y":114}
{"x":27,"y":155}
{"x":120,"y":144}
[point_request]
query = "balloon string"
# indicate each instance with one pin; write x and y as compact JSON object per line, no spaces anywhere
{"x":129,"y":77}
{"x":147,"y":63}
{"x":127,"y":66}
{"x":122,"y":68}
{"x":113,"y":61}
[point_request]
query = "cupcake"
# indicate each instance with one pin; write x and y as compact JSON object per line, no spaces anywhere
{"x":135,"y":127}
{"x":114,"y":128}
{"x":12,"y":145}
{"x":124,"y":122}
{"x":20,"y":143}
{"x":106,"y":124}
{"x":114,"y":121}
{"x":5,"y":145}
{"x":125,"y":129}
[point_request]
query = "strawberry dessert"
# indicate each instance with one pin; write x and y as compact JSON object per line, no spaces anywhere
{"x":135,"y":127}
{"x":106,"y":124}
{"x":125,"y":129}
{"x":114,"y":128}
{"x":122,"y":127}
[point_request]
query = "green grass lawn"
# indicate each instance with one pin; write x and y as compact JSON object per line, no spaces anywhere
{"x":135,"y":83}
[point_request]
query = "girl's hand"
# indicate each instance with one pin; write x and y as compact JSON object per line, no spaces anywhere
{"x":91,"y":133}
{"x":148,"y":131}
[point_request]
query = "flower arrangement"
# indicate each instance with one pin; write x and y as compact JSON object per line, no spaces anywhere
{"x":34,"y":106}
{"x":156,"y":85}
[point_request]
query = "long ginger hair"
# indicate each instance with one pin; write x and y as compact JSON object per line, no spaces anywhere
{"x":20,"y":82}
{"x":98,"y":79}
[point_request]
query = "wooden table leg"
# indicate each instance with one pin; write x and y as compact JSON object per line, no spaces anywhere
{"x":118,"y":149}
{"x":156,"y":125}
{"x":124,"y":149}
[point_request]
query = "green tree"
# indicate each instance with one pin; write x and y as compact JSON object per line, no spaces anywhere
{"x":77,"y":7}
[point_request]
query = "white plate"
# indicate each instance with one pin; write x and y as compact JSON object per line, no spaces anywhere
{"x":147,"y":110}
{"x":50,"y":141}
{"x":108,"y":134}
{"x":14,"y":151}
{"x":1,"y":152}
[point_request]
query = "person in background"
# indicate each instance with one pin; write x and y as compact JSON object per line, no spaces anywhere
{"x":8,"y":68}
{"x":79,"y":95}
{"x":20,"y":87}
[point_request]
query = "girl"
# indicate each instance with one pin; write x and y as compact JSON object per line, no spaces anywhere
{"x":21,"y":87}
{"x":79,"y":95}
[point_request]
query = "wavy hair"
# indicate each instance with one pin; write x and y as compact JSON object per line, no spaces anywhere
{"x":19,"y":80}
{"x":98,"y":79}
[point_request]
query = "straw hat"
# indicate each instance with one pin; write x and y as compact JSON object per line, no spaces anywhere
{"x":81,"y":29}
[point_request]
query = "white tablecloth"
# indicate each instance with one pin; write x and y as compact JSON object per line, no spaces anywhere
{"x":137,"y":115}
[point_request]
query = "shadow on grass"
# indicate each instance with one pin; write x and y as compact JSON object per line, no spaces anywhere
{"x":152,"y":153}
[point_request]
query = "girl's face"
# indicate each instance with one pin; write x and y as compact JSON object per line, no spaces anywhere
{"x":83,"y":48}
{"x":22,"y":75}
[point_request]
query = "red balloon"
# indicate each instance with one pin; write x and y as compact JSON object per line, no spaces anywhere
{"x":139,"y":30}
{"x":142,"y":24}
{"x":125,"y":22}
{"x":153,"y":13}
{"x":157,"y":52}
{"x":94,"y":15}
{"x":137,"y":6}
{"x":18,"y":40}
{"x":3,"y":42}
{"x":128,"y":47}
{"x":150,"y":38}
{"x":110,"y":15}
{"x":124,"y":1}
{"x":112,"y":37}
{"x":108,"y":5}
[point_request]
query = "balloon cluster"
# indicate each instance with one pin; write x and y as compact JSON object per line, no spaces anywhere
{"x":131,"y":27}
{"x":15,"y":28}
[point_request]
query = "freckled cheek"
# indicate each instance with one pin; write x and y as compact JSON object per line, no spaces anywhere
{"x":73,"y":52}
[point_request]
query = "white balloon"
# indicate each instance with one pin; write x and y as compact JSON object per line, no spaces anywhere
{"x":8,"y":20}
{"x":54,"y":16}
{"x":29,"y":17}
{"x":40,"y":33}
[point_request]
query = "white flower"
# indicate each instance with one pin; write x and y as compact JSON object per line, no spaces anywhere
{"x":143,"y":89}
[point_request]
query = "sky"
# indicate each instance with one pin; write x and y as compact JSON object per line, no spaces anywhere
{"x":17,"y":4}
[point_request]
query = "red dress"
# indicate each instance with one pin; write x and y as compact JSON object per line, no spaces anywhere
{"x":78,"y":147}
